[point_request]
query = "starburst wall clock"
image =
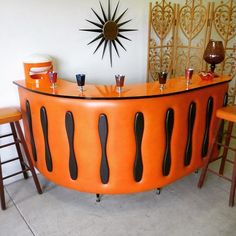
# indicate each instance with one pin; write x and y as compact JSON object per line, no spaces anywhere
{"x":110,"y":30}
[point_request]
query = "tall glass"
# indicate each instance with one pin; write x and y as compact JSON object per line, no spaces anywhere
{"x":120,"y":79}
{"x":162,"y":77}
{"x":188,"y":75}
{"x":80,"y":78}
{"x":52,"y":78}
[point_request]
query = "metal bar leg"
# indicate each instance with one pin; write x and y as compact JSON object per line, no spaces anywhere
{"x":98,"y":197}
{"x":158,"y":191}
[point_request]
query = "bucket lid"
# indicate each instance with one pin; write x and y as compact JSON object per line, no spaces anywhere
{"x":37,"y":58}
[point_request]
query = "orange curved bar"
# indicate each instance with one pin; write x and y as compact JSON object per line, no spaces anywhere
{"x":109,"y":143}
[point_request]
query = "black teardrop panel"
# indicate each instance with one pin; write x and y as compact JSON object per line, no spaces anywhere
{"x":44,"y":123}
{"x":70,"y":129}
{"x":138,"y":131}
{"x":189,"y":145}
{"x":209,"y":111}
{"x":169,"y":125}
{"x":103,"y":134}
{"x":226,"y":98}
{"x":31,"y":133}
{"x":222,"y":123}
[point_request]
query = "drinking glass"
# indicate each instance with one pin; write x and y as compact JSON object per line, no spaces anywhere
{"x":120,"y":79}
{"x":188,"y":75}
{"x":80,"y":78}
{"x":162,"y":77}
{"x":52,"y":78}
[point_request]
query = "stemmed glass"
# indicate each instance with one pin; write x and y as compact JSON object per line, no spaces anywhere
{"x":162,"y":77}
{"x":214,"y":54}
{"x":188,"y":75}
{"x":52,"y":78}
{"x":120,"y":79}
{"x":80,"y":78}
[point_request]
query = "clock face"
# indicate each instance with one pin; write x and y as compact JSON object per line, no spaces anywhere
{"x":109,"y":30}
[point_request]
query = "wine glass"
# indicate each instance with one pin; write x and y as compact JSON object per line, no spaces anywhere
{"x":80,"y":78}
{"x":52,"y":78}
{"x":214,"y":54}
{"x":120,"y":79}
{"x":162,"y":77}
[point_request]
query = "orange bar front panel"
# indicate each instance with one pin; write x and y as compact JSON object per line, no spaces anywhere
{"x":120,"y":145}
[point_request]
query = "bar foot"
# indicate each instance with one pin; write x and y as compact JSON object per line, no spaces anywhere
{"x":158,"y":191}
{"x":98,"y":197}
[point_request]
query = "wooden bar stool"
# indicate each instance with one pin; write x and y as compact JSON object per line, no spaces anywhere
{"x":13,"y":116}
{"x":224,"y":114}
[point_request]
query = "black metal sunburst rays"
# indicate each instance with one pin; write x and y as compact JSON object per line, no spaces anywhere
{"x":109,"y":30}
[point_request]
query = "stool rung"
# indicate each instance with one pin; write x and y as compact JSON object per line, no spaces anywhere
{"x":222,"y":176}
{"x":9,"y":144}
{"x":23,"y":163}
{"x":216,"y":159}
{"x":17,"y":173}
{"x":219,"y":157}
{"x":14,"y":159}
{"x":226,"y":133}
{"x":232,"y":162}
{"x":222,"y":145}
{"x":6,"y":135}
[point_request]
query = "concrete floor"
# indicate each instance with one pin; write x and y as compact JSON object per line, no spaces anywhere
{"x":181,"y":209}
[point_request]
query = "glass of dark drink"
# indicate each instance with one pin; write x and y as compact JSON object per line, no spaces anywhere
{"x":52,"y":78}
{"x":162,"y":77}
{"x":188,"y":75}
{"x":120,"y":79}
{"x":80,"y":78}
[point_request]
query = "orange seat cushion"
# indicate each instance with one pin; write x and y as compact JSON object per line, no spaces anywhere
{"x":9,"y":114}
{"x":227,"y":113}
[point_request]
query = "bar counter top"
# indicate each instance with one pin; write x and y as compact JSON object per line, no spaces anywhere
{"x":68,"y":89}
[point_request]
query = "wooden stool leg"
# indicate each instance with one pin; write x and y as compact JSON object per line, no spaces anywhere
{"x":233,"y":185}
{"x":28,"y":157}
{"x":2,"y":196}
{"x":204,"y":170}
{"x":225,"y":152}
{"x":13,"y":129}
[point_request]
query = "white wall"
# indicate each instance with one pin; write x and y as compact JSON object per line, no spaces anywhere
{"x":52,"y":27}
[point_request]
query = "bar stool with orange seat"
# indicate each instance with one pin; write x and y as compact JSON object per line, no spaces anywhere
{"x":224,"y":114}
{"x":12,"y":116}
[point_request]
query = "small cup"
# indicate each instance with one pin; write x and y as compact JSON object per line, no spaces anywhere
{"x":120,"y":79}
{"x":162,"y":77}
{"x":188,"y":75}
{"x":80,"y":78}
{"x":52,"y":78}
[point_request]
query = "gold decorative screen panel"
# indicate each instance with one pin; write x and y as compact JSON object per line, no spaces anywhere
{"x":161,"y":31}
{"x":178,"y":35}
